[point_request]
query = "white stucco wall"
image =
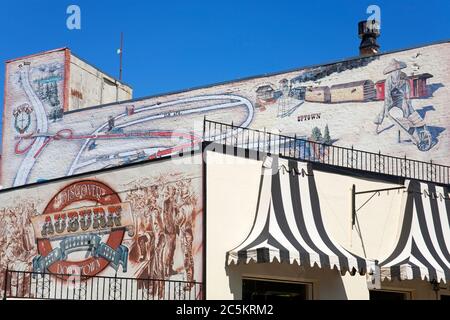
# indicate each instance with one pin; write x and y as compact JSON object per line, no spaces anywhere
{"x":232,"y":190}
{"x":89,"y":86}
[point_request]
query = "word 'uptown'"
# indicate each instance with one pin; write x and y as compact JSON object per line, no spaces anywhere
{"x":307,"y":117}
{"x":83,"y":220}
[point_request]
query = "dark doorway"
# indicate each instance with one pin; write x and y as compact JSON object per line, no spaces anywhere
{"x":269,"y":291}
{"x":388,"y":295}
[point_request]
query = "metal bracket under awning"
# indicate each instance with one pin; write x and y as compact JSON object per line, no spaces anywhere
{"x":374,"y":192}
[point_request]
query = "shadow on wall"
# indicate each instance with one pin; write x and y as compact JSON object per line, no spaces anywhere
{"x":326,"y":283}
{"x":423,"y":111}
{"x":434,"y":130}
{"x":435,"y":133}
{"x":432,"y":88}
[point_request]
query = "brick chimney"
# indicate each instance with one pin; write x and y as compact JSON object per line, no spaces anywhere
{"x":368,"y":31}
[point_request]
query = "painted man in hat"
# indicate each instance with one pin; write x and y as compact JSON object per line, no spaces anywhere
{"x":397,"y":92}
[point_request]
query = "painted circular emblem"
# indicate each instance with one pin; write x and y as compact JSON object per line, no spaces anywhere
{"x":68,"y":225}
{"x":22,"y":118}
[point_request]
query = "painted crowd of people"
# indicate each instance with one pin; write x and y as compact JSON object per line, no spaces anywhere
{"x":164,"y":214}
{"x":17,"y":244}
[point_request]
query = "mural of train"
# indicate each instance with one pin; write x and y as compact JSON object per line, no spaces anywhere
{"x":363,"y":91}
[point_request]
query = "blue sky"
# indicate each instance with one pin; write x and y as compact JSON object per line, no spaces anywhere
{"x":173,"y":45}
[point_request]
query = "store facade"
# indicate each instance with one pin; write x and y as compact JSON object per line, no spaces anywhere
{"x":401,"y":227}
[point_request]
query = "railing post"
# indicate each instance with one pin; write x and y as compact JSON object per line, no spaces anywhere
{"x":279,"y":145}
{"x":232,"y":133}
{"x":431,"y":169}
{"x":264,"y":142}
{"x":352,"y":157}
{"x":115,"y":283}
{"x":43,"y":283}
{"x":248,"y":139}
{"x":295,"y":147}
{"x":5,"y":284}
{"x":259,"y":139}
{"x":404,"y":168}
{"x":204,"y":129}
{"x":379,"y":161}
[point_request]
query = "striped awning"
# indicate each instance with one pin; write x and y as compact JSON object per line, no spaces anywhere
{"x":288,"y":226}
{"x":423,"y":248}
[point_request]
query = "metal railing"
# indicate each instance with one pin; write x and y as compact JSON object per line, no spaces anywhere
{"x":303,"y":149}
{"x":33,"y":285}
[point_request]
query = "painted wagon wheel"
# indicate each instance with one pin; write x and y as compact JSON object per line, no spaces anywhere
{"x":425,"y":139}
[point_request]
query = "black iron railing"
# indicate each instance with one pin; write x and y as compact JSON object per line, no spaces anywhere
{"x":302,"y":149}
{"x":32,"y":285}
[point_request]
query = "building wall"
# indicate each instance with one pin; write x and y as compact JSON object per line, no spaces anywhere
{"x":326,"y":284}
{"x":37,"y":82}
{"x":159,"y":235}
{"x":39,"y":89}
{"x":91,"y":87}
{"x":232,"y":190}
{"x":136,"y":130}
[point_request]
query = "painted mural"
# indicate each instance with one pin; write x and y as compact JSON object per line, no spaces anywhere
{"x":394,"y":103}
{"x":133,"y":223}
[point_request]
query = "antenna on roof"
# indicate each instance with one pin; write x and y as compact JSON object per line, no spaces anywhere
{"x":120,"y":52}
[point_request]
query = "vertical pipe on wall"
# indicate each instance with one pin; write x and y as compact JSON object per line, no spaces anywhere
{"x":353,"y":212}
{"x":203,"y":286}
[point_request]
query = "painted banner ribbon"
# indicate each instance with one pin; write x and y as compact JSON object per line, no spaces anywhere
{"x":90,"y":243}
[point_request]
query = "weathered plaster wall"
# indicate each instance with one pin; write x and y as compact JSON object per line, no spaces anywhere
{"x":106,"y":136}
{"x":159,"y":234}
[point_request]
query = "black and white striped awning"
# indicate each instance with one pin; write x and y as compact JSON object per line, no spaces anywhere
{"x":423,"y":248}
{"x":288,"y":226}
